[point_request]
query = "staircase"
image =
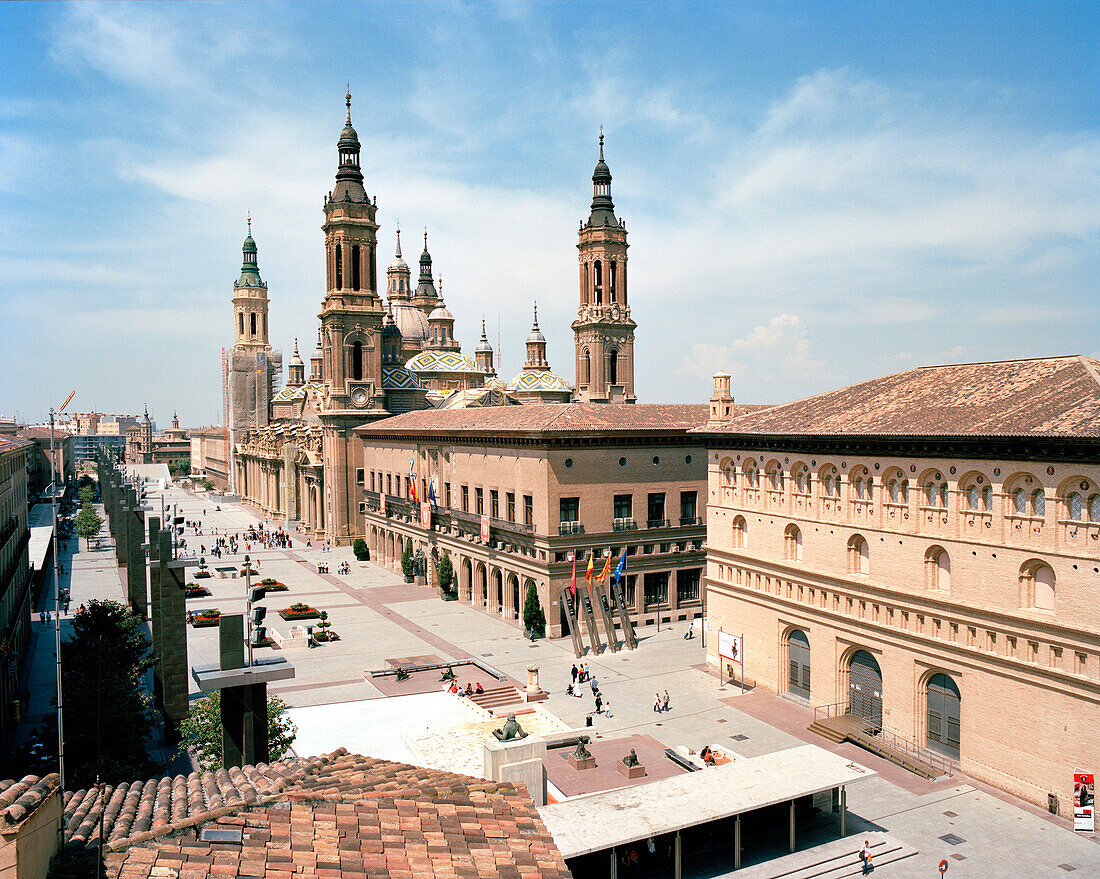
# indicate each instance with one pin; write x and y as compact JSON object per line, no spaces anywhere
{"x":497,"y":696}
{"x":834,"y":723}
{"x":833,"y":860}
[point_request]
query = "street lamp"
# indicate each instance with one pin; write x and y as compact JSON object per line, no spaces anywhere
{"x":57,"y":591}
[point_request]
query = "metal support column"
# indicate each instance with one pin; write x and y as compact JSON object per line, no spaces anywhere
{"x":614,"y":871}
{"x":792,"y":826}
{"x":737,"y":842}
{"x":677,"y":864}
{"x":843,"y":812}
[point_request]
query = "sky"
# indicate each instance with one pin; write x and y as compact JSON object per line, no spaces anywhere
{"x":815,"y":193}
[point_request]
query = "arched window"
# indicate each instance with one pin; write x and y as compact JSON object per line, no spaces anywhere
{"x":240,"y":322}
{"x":897,"y":488}
{"x":752,"y":474}
{"x":252,"y":323}
{"x":357,"y":361}
{"x":1019,"y":501}
{"x":859,"y":556}
{"x":934,"y":491}
{"x":613,"y":367}
{"x":740,"y":532}
{"x":1037,"y":585}
{"x":792,"y":543}
{"x":339,"y":268}
{"x":775,"y":476}
{"x":265,"y":325}
{"x":586,"y":294}
{"x":801,"y":478}
{"x":937,"y":569}
{"x":1074,"y":506}
{"x":1094,"y":508}
{"x":611,"y":281}
{"x":586,"y":368}
{"x":729,"y":474}
{"x":373,"y":267}
{"x":598,"y":274}
{"x":355,"y":267}
{"x":830,"y":482}
{"x":1038,"y":502}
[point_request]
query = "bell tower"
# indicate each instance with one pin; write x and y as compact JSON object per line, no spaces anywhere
{"x":603,"y":331}
{"x":250,"y":301}
{"x":351,"y":313}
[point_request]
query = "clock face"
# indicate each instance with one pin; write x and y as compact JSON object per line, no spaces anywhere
{"x":359,"y":396}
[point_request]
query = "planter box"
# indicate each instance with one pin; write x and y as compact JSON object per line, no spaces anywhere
{"x":197,"y":592}
{"x":205,"y":622}
{"x":292,"y":615}
{"x":202,"y":575}
{"x":325,"y":636}
{"x":278,"y":587}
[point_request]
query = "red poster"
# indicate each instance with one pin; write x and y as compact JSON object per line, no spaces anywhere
{"x":425,"y":515}
{"x":1084,"y":802}
{"x":485,"y":529}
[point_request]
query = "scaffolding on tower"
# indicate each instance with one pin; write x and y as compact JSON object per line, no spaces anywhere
{"x":225,"y":420}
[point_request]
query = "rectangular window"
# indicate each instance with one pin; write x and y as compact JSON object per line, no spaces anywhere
{"x":528,"y":510}
{"x":656,"y":589}
{"x":569,"y":509}
{"x":479,"y":501}
{"x":389,"y":483}
{"x":465,"y":498}
{"x":511,"y":499}
{"x":447,"y":495}
{"x":687,"y":585}
{"x":362,"y":509}
{"x":688,"y":508}
{"x":494,"y":503}
{"x":624,"y":506}
{"x":630,"y":591}
{"x":656,"y":509}
{"x":360,"y":475}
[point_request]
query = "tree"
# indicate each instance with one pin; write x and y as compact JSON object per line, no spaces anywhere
{"x":201,"y":730}
{"x":207,"y":483}
{"x":407,"y":560}
{"x":323,"y":624}
{"x":109,"y":715}
{"x":359,"y":547}
{"x":88,"y":523}
{"x":87,"y":495}
{"x":446,"y":573}
{"x":533,"y":617}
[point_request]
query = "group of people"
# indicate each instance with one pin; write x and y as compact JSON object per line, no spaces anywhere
{"x":470,"y":690}
{"x":581,"y":675}
{"x":661,"y":703}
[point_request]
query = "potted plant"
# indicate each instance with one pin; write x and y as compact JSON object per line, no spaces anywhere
{"x":247,"y":567}
{"x":299,"y":611}
{"x":359,"y":547}
{"x":194,"y":590}
{"x":272,"y":585}
{"x":202,"y":573}
{"x":407,"y":562}
{"x":324,"y":625}
{"x":206,"y":618}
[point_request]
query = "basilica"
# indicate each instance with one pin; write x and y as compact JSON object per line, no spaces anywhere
{"x":386,"y":350}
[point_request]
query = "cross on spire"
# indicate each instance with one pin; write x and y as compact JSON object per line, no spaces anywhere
{"x":347,"y":98}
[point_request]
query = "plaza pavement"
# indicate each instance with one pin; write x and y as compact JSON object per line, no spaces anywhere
{"x":379,"y":617}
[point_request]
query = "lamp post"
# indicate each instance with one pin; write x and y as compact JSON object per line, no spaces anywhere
{"x":57,"y":600}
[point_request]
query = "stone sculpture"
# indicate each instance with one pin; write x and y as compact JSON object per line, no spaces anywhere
{"x":511,"y":731}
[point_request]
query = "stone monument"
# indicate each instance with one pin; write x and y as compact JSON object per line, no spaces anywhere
{"x":581,"y":758}
{"x":630,"y":767}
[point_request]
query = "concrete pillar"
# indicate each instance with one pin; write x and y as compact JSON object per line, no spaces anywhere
{"x":243,"y":708}
{"x":173,"y":639}
{"x":677,"y":863}
{"x":135,"y":556}
{"x":613,"y":872}
{"x":737,"y":842}
{"x":843,"y":812}
{"x":154,"y":601}
{"x":792,"y":826}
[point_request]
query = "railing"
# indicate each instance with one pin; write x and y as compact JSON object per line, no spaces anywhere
{"x":624,"y":524}
{"x":691,"y":520}
{"x":570,"y":528}
{"x":862,"y":733}
{"x":656,"y":523}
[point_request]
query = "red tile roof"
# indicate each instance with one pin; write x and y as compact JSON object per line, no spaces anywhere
{"x":8,"y":443}
{"x":1048,"y":397}
{"x":19,"y":799}
{"x":544,"y":419}
{"x":336,"y":815}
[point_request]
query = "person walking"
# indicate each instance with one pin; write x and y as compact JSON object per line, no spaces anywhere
{"x":665,"y":703}
{"x":868,"y":864}
{"x":657,"y":702}
{"x":599,"y":704}
{"x":574,"y":672}
{"x":595,"y":685}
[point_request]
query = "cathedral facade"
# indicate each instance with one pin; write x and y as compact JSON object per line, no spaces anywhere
{"x":387,"y":346}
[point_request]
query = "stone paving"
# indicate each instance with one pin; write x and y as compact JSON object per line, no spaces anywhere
{"x":380,"y":618}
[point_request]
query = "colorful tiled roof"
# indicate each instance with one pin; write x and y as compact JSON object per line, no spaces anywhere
{"x":19,"y":799}
{"x":358,"y":816}
{"x":398,"y":378}
{"x":288,"y":394}
{"x":544,"y":419}
{"x":538,"y":380}
{"x":473,"y":398}
{"x":1050,"y":396}
{"x":442,"y":361}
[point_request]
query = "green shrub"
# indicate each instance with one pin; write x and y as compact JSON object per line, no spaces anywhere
{"x":359,"y":547}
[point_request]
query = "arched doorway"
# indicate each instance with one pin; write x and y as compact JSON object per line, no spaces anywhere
{"x":498,"y":592}
{"x":944,"y":711}
{"x":865,"y":688}
{"x":513,"y":582}
{"x":798,"y":664}
{"x":482,"y":586}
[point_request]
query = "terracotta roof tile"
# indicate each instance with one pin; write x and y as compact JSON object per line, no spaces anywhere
{"x":1047,"y":397}
{"x":19,"y":799}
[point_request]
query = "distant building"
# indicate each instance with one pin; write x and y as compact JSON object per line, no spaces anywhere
{"x":39,"y":467}
{"x":145,"y":447}
{"x":922,"y":551}
{"x":15,"y":574}
{"x":209,"y":456}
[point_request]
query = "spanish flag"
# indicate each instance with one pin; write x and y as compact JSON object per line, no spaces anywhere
{"x":602,"y":575}
{"x":588,"y":575}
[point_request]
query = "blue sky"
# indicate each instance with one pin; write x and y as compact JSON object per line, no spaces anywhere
{"x":816,"y":193}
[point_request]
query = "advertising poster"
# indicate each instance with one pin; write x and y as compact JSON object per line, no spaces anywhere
{"x":425,"y":515}
{"x":484,"y":529}
{"x":382,"y":503}
{"x":729,"y":646}
{"x":1084,"y":802}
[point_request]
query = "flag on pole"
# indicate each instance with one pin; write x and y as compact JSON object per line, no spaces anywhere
{"x":412,"y":482}
{"x":620,"y":567}
{"x":602,"y":575}
{"x":573,"y":579}
{"x":588,"y":574}
{"x":431,"y":491}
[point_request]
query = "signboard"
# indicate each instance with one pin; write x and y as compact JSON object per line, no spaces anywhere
{"x":484,"y":529}
{"x":729,"y":646}
{"x":1084,"y":802}
{"x":425,"y":515}
{"x":382,"y":503}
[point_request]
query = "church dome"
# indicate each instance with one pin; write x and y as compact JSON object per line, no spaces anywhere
{"x":538,"y":380}
{"x":441,"y":312}
{"x":411,"y":321}
{"x":400,"y":378}
{"x":442,"y":361}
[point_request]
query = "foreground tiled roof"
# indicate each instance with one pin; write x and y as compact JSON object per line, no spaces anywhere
{"x":8,"y":443}
{"x":338,"y":814}
{"x":544,"y":418}
{"x":1052,"y":396}
{"x":18,"y":799}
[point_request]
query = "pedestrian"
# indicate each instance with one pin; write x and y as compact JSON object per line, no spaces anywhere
{"x":588,"y":720}
{"x":864,"y":852}
{"x":599,"y":704}
{"x":595,"y":686}
{"x":657,"y":702}
{"x":664,"y":704}
{"x":574,"y":672}
{"x":868,"y":864}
